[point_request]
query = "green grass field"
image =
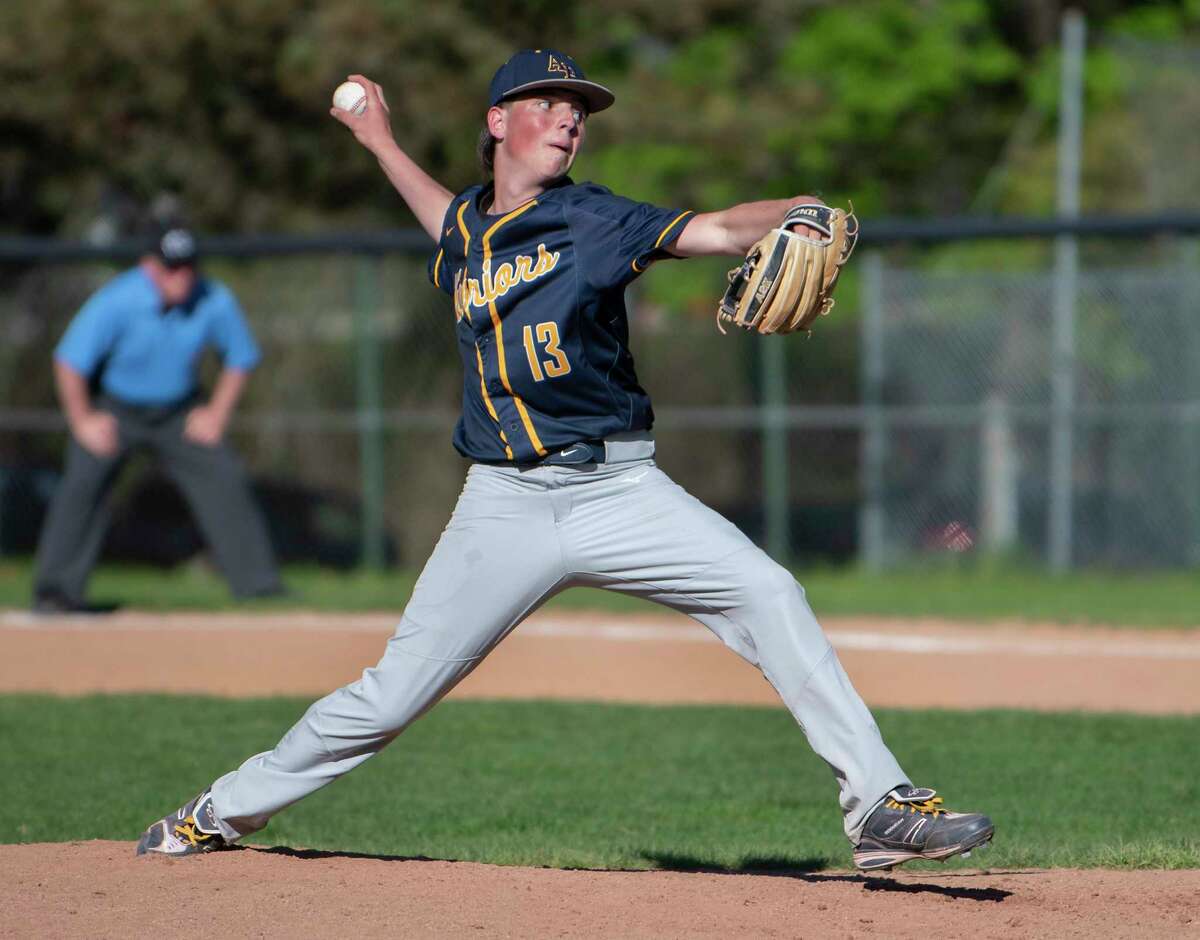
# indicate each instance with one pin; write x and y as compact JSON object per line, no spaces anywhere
{"x":608,"y":786}
{"x":979,"y":593}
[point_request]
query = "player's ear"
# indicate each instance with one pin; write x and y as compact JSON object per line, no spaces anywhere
{"x":497,"y":120}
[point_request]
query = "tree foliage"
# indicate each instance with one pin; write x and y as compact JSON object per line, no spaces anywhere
{"x":903,"y":106}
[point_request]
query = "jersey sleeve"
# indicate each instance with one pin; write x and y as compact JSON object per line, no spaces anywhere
{"x":439,"y":262}
{"x":231,"y":332}
{"x":93,"y":332}
{"x":616,"y":238}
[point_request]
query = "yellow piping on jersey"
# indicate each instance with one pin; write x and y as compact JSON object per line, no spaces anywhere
{"x":462,"y":227}
{"x":437,"y":263}
{"x":461,"y":276}
{"x":490,"y":407}
{"x":633,"y":264}
{"x":487,"y":264}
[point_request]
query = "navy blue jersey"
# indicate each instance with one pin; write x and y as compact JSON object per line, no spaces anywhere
{"x":539,"y":300}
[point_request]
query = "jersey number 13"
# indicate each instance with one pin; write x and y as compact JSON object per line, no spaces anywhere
{"x":546,"y":335}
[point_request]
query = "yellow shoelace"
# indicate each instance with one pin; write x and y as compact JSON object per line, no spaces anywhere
{"x":925,"y":806}
{"x":189,"y":832}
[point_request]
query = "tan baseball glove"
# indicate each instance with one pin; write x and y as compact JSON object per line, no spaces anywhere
{"x":787,"y":279}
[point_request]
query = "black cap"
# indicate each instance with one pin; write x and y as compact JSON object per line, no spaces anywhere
{"x":174,"y":245}
{"x":530,"y":69}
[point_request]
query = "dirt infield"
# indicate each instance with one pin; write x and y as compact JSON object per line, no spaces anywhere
{"x":894,"y":663}
{"x":99,"y":889}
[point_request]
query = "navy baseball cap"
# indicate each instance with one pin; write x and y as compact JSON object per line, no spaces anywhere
{"x":530,"y":69}
{"x":174,"y":245}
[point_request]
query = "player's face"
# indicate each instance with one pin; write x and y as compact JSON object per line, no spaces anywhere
{"x":543,"y":131}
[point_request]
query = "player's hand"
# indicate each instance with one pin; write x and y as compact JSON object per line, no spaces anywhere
{"x":97,"y":433}
{"x":804,"y":229}
{"x":205,"y":425}
{"x":372,"y":128}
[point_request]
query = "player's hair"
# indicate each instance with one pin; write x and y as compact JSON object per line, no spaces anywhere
{"x":486,"y":150}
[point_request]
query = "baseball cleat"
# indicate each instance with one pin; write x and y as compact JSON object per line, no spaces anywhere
{"x":190,"y":829}
{"x":910,"y":823}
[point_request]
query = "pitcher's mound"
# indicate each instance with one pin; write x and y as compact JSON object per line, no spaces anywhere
{"x":100,"y":889}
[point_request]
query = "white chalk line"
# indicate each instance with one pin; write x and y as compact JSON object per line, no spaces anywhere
{"x":894,"y":643}
{"x":543,"y":626}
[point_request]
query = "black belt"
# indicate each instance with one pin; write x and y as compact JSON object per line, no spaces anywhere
{"x":577,"y":453}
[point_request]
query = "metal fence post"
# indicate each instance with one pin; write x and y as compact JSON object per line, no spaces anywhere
{"x":873,"y":449}
{"x":1066,"y":273}
{"x":1187,"y":288}
{"x":998,"y":496}
{"x":370,"y":407}
{"x":776,"y":498}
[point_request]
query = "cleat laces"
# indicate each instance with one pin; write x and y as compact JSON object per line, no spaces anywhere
{"x":189,"y":833}
{"x":931,"y":807}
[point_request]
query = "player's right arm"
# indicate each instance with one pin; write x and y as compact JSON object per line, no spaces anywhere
{"x":426,"y":197}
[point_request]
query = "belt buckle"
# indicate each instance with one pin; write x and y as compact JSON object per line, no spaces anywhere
{"x":577,"y":453}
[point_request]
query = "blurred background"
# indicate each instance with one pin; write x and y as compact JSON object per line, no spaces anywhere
{"x":1012,"y":370}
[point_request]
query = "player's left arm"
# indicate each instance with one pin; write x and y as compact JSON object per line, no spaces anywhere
{"x":734,"y":231}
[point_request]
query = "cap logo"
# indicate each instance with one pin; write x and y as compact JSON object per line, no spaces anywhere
{"x":178,"y":244}
{"x":557,"y":65}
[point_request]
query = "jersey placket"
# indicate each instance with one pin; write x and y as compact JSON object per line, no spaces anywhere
{"x":479,"y":340}
{"x":512,"y":415}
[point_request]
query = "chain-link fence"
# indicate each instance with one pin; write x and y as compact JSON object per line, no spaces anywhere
{"x":920,"y":419}
{"x":963,"y":414}
{"x":346,"y":425}
{"x":1047,"y":407}
{"x":939,"y":410}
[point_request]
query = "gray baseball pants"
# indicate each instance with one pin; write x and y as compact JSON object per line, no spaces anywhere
{"x":516,"y":538}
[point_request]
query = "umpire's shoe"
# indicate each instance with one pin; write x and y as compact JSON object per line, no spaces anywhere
{"x":910,"y":823}
{"x":190,"y":829}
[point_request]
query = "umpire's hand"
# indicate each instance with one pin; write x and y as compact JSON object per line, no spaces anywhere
{"x":205,"y":425}
{"x":97,"y":433}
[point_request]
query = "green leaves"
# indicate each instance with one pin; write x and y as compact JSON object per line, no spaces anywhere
{"x":905,"y":107}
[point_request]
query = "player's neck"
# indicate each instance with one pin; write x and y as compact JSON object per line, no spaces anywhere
{"x":508,"y":194}
{"x":512,"y":188}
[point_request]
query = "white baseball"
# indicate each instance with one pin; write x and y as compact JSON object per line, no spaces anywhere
{"x":350,"y":96}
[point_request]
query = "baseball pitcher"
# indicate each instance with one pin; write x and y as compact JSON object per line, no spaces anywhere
{"x":563,"y":489}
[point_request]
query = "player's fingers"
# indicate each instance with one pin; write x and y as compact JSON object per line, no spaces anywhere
{"x":345,"y":117}
{"x":369,"y":87}
{"x":374,"y":92}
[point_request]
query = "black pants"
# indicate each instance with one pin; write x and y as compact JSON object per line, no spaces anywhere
{"x":212,"y":481}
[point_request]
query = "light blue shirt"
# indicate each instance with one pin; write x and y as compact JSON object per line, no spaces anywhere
{"x":151,"y":355}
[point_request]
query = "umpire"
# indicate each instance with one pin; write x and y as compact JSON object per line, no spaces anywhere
{"x":137,"y":344}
